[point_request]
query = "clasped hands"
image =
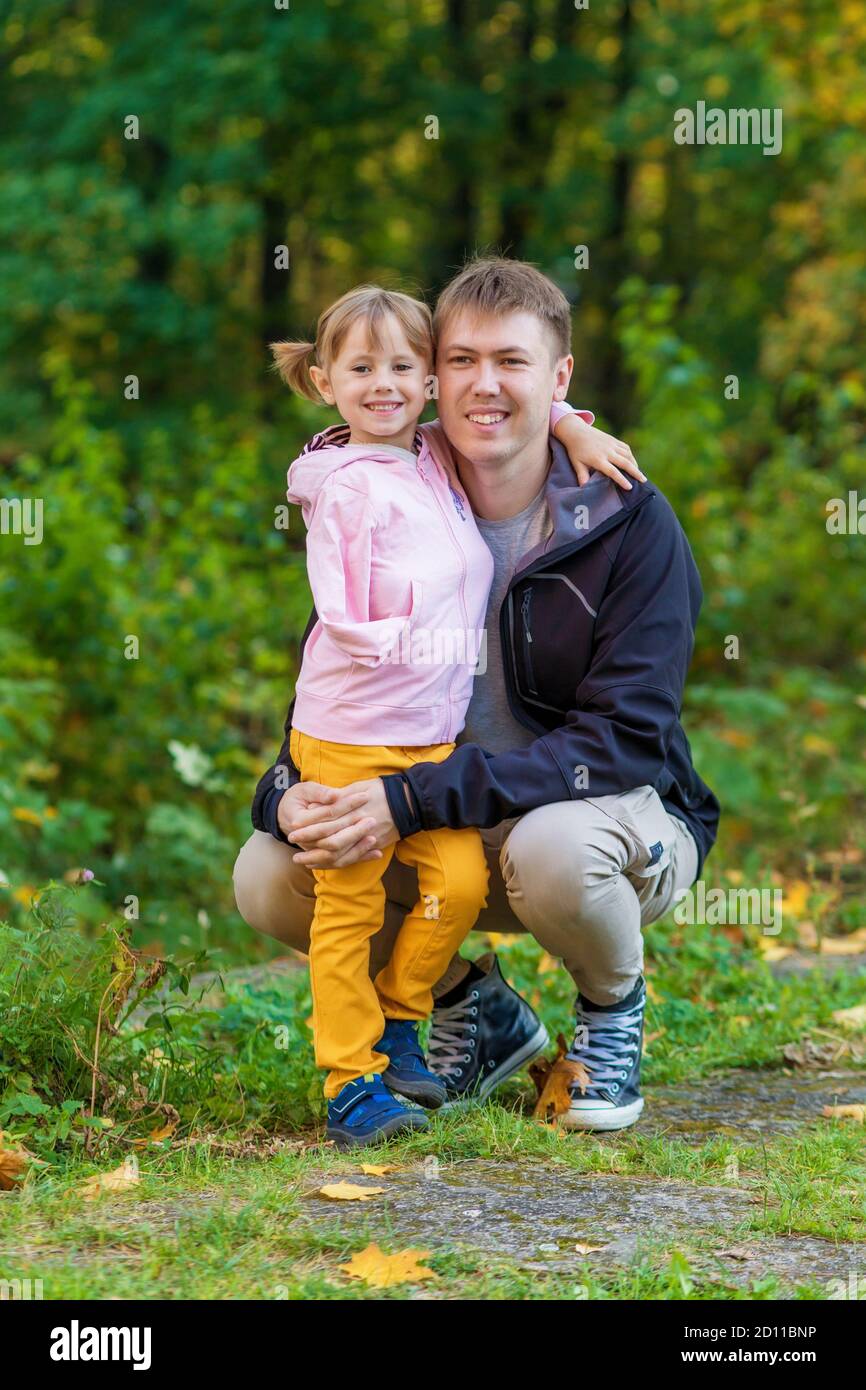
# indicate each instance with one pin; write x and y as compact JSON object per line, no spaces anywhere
{"x":337,"y":826}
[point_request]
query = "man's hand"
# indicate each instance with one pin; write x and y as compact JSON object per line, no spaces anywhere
{"x":332,"y":812}
{"x":352,"y":826}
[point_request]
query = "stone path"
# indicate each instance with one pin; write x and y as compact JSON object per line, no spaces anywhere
{"x":538,"y":1216}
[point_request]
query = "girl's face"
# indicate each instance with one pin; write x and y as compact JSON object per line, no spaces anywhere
{"x":378,"y":391}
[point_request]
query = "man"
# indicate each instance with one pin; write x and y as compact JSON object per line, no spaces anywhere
{"x":573,"y":763}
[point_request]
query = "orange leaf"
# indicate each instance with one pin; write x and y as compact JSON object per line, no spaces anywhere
{"x":845,"y":1112}
{"x":378,"y":1170}
{"x":118,"y":1180}
{"x":13,"y":1163}
{"x":555,"y":1099}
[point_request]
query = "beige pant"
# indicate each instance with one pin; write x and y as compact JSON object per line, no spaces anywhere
{"x":576,"y":874}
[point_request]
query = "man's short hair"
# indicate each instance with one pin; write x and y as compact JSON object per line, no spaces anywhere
{"x":496,"y":285}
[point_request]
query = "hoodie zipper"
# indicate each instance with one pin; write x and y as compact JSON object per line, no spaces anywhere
{"x":445,"y":738}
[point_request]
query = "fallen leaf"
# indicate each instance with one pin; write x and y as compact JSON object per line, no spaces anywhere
{"x":378,"y":1170}
{"x":348,"y":1192}
{"x":852,"y":945}
{"x":381,"y":1271}
{"x":587,"y":1249}
{"x":851,"y":1018}
{"x":810,"y":1054}
{"x":157,"y":1136}
{"x":118,"y":1180}
{"x":555,"y":1098}
{"x":795,"y":897}
{"x":13,"y":1164}
{"x":845,"y":1112}
{"x":770,"y":951}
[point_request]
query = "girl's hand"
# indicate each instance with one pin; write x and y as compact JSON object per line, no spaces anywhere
{"x":589,"y":448}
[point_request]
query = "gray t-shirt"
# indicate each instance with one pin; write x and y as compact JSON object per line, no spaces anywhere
{"x":489,"y":721}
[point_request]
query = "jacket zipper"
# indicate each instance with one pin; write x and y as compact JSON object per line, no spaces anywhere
{"x":543,"y":561}
{"x":527,"y":639}
{"x":462,"y":594}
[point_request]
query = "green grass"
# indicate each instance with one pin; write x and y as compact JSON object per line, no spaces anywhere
{"x":225,"y":1208}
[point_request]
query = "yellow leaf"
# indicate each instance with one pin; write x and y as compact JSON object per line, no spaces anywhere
{"x":546,"y":964}
{"x":587,"y":1249}
{"x":814,"y":743}
{"x":851,"y":1018}
{"x":348,"y":1192}
{"x":770,"y":950}
{"x":381,"y":1271}
{"x":845,"y":1112}
{"x":26,"y":894}
{"x":795,"y":898}
{"x":13,"y":1163}
{"x":50,"y":813}
{"x":378,"y":1170}
{"x":852,"y":945}
{"x":118,"y":1180}
{"x":24,"y":813}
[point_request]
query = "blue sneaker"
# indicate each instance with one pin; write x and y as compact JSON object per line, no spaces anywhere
{"x":365,"y":1112}
{"x":408,"y":1074}
{"x":608,"y":1042}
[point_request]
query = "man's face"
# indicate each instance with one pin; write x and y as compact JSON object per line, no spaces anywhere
{"x":497,"y":378}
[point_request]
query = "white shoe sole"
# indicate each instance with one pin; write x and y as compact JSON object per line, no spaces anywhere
{"x":616,"y":1117}
{"x":536,"y":1044}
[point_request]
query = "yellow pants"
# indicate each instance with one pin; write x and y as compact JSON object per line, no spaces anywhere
{"x":349,"y":1008}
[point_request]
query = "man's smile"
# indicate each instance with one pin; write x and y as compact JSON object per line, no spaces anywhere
{"x":487,"y":419}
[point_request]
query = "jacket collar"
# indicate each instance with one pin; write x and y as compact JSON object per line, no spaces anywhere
{"x":578,"y":511}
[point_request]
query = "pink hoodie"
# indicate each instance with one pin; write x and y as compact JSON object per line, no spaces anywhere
{"x":400,"y":577}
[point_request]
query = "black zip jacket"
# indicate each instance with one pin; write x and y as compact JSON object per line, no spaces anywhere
{"x":597,"y":630}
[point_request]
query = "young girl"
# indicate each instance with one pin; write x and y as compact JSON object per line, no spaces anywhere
{"x":400,"y":578}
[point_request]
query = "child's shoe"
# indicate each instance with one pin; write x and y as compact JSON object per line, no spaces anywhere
{"x":365,"y":1112}
{"x":408,"y":1074}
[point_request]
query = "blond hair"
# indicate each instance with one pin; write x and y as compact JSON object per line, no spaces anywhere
{"x":368,"y":302}
{"x":496,"y":285}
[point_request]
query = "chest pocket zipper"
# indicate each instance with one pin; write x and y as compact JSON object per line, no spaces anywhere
{"x":527,"y":639}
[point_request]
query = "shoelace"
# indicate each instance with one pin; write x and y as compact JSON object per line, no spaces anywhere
{"x":446,"y":1046}
{"x":604,"y":1053}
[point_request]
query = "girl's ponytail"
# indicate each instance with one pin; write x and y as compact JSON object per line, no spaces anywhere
{"x":292,"y":361}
